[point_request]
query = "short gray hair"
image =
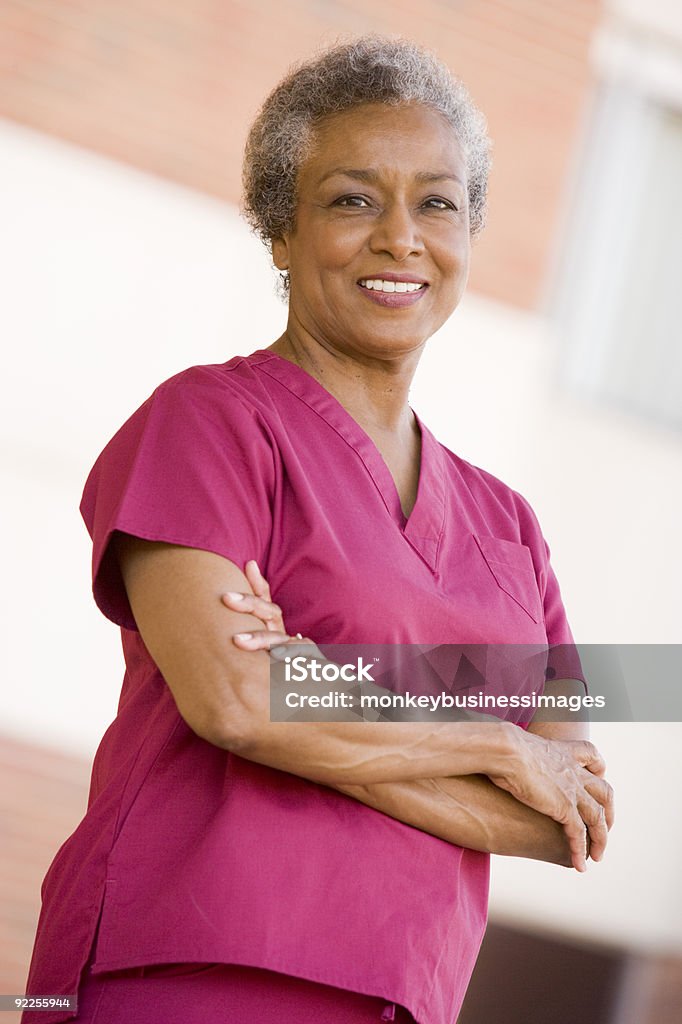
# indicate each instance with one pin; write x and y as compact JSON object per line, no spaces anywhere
{"x":370,"y":69}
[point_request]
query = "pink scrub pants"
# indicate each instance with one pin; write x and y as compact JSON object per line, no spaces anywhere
{"x":223,"y":994}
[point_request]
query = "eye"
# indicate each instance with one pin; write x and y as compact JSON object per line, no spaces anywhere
{"x":438,"y":203}
{"x":353,"y":202}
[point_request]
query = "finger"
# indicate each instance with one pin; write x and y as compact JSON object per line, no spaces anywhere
{"x":259,"y":640}
{"x":602,"y":792}
{"x":587,"y":755}
{"x":574,"y":828}
{"x":259,"y":584}
{"x":267,"y":611}
{"x":593,"y":815}
{"x":297,"y":646}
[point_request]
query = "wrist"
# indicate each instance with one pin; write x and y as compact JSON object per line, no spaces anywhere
{"x":504,"y":751}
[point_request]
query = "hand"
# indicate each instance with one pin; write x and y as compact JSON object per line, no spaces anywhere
{"x":564,"y":780}
{"x":278,"y":643}
{"x":261,"y":605}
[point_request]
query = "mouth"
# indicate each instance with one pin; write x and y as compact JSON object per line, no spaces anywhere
{"x":393,"y":292}
{"x":391,"y":285}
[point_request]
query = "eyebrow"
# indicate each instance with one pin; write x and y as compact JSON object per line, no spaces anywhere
{"x":370,"y":176}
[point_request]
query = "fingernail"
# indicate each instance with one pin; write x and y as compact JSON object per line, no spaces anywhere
{"x":243,"y":636}
{"x":232,"y":595}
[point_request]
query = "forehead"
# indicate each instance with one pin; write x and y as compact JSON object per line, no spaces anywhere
{"x":406,"y":137}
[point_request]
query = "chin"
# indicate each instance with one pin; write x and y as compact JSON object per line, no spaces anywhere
{"x":392,"y":347}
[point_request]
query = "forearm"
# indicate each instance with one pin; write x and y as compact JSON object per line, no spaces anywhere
{"x":468,"y":811}
{"x":365,"y":753}
{"x":368,"y":753}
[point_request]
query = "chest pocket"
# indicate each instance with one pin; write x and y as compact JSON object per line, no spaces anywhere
{"x":511,"y":565}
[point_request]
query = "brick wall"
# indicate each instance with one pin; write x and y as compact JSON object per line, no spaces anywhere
{"x":171,"y":86}
{"x":43,"y":796}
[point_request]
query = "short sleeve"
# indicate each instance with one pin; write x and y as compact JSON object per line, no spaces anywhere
{"x":563,"y":659}
{"x":194,"y":466}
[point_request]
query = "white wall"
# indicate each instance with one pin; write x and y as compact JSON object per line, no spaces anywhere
{"x":112,"y":281}
{"x":661,"y":17}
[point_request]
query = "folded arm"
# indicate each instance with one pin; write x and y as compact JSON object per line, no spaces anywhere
{"x":221,"y":689}
{"x":467,"y":810}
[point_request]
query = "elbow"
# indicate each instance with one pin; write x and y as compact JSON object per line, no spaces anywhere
{"x":232,"y":724}
{"x":235,"y":735}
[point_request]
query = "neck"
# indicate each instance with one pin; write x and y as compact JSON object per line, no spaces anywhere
{"x":373,"y":390}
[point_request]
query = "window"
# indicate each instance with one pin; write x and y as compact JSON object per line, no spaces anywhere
{"x":617,"y":300}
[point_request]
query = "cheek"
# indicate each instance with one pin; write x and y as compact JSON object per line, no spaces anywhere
{"x":453,"y":258}
{"x":453,"y":262}
{"x":320,"y":245}
{"x":463,"y":264}
{"x":336,"y":245}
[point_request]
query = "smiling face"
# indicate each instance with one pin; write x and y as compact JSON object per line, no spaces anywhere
{"x":379,"y":255}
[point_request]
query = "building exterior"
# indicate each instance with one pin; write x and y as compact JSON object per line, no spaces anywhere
{"x":119,"y":183}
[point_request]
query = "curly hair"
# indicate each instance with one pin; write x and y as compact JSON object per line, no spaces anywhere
{"x":370,"y":69}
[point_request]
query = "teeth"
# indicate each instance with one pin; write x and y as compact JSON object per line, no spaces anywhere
{"x":391,"y":286}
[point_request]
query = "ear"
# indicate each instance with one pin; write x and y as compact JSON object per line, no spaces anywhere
{"x":280,"y":253}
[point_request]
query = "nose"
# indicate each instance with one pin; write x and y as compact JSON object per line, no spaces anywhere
{"x":397,"y":233}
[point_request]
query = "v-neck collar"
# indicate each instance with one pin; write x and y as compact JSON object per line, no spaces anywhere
{"x":423,"y":528}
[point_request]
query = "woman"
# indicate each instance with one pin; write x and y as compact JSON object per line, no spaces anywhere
{"x":234,"y":868}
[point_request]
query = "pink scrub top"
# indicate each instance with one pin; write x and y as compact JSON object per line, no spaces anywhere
{"x":188,"y":852}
